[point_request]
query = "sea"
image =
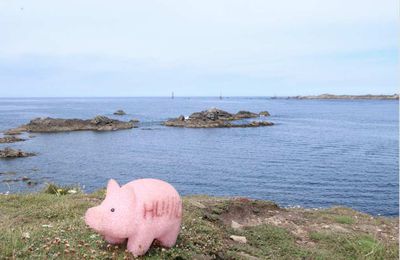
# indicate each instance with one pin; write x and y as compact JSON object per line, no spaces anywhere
{"x":318,"y":153}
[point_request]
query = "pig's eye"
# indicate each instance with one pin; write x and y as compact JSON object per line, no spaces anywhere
{"x":112,"y":210}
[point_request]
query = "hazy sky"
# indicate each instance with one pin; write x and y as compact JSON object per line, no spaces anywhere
{"x":198,"y":48}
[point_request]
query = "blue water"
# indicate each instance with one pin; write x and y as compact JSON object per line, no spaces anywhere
{"x":318,"y":153}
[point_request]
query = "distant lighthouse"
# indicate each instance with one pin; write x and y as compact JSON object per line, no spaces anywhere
{"x":172,"y":95}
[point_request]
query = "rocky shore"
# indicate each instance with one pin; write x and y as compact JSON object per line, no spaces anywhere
{"x":13,"y":153}
{"x":50,"y":225}
{"x":15,"y":131}
{"x":10,"y":139}
{"x":331,"y":96}
{"x":217,"y":118}
{"x":99,"y":123}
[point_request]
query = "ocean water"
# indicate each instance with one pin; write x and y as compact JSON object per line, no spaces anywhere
{"x":319,"y":153}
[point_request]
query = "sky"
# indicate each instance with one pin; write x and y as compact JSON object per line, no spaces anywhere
{"x":198,"y":48}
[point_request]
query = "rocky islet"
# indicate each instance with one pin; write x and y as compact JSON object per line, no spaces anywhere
{"x":217,"y":118}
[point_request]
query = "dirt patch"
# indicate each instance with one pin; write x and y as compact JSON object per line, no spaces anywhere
{"x":248,"y":212}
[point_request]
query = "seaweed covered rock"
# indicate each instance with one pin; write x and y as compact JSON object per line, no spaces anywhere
{"x":101,"y":120}
{"x":119,"y":112}
{"x":264,"y":113}
{"x":98,"y":123}
{"x":13,"y":153}
{"x":134,"y":120}
{"x":245,"y":114}
{"x":15,"y":131}
{"x":10,"y":139}
{"x":213,"y":118}
{"x":212,"y":114}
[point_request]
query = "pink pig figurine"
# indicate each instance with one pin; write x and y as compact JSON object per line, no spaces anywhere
{"x":140,"y":211}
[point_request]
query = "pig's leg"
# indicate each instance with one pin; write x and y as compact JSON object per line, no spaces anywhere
{"x":169,"y":238}
{"x":139,"y":244}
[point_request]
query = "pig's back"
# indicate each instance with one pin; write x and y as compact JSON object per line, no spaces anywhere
{"x":152,"y":188}
{"x":156,"y":199}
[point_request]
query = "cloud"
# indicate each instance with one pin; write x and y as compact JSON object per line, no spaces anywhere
{"x":242,"y":47}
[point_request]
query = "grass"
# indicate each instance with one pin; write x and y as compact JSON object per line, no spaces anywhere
{"x":271,"y":242}
{"x":354,"y":246}
{"x":344,"y":219}
{"x":50,"y":225}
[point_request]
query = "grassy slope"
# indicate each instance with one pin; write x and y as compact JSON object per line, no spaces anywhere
{"x":45,"y":225}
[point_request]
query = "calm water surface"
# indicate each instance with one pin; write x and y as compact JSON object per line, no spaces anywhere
{"x":319,"y":153}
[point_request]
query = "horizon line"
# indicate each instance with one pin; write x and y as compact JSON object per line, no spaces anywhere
{"x":216,"y":96}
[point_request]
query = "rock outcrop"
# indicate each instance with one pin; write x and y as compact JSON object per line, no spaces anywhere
{"x":119,"y":112}
{"x":15,"y":131}
{"x":239,"y":239}
{"x":10,"y":139}
{"x":245,"y":114}
{"x":214,"y":118}
{"x":264,"y":113}
{"x":99,"y":123}
{"x":12,"y":153}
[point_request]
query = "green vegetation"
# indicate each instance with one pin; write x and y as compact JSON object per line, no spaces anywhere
{"x":52,"y":188}
{"x":344,"y":219}
{"x":271,"y":242}
{"x":49,"y":225}
{"x":355,"y":246}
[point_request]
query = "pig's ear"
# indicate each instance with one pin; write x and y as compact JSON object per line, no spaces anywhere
{"x":112,"y":186}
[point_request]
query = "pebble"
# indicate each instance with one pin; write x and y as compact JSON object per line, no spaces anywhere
{"x":240,"y":239}
{"x":235,"y":225}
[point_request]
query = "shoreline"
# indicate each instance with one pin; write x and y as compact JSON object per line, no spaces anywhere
{"x":49,"y":223}
{"x":348,"y":97}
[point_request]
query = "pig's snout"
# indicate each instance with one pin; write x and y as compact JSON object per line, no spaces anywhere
{"x":92,"y":219}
